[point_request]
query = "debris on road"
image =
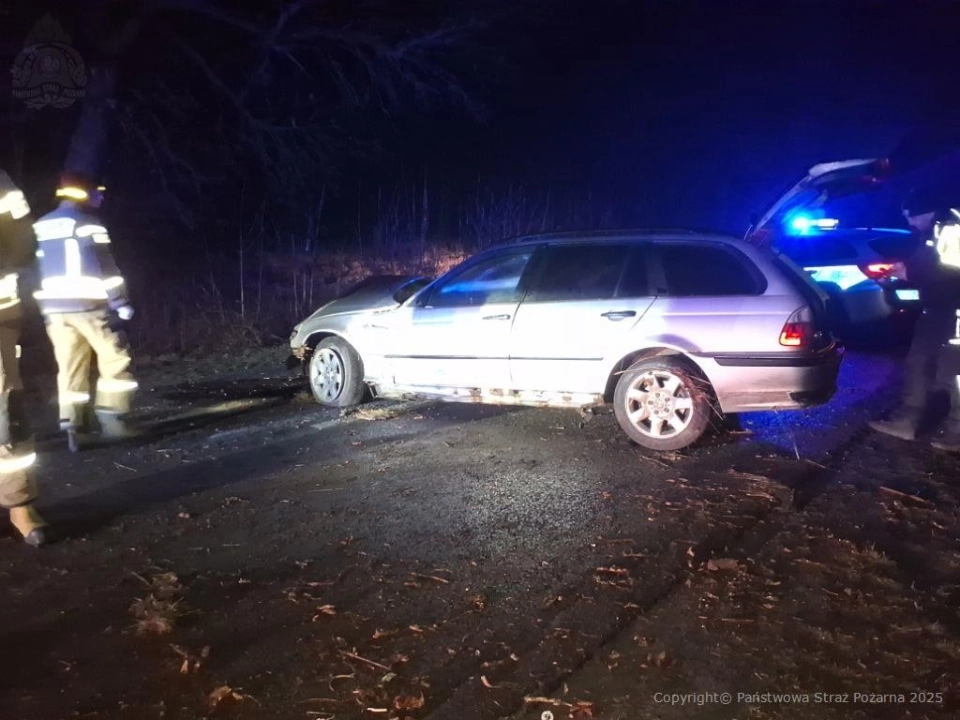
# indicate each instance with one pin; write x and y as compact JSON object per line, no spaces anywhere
{"x":157,"y":613}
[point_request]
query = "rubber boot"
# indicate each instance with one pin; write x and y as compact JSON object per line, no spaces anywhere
{"x":113,"y":426}
{"x":78,"y":436}
{"x":902,"y":424}
{"x":28,"y":522}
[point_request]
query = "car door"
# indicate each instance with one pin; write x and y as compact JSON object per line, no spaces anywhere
{"x":582,"y":302}
{"x":710,"y":298}
{"x":456,"y":333}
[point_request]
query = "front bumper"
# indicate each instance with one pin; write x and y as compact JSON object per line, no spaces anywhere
{"x":298,"y":357}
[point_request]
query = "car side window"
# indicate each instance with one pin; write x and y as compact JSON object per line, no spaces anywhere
{"x":635,"y":282}
{"x":578,"y":272}
{"x":691,"y":269}
{"x":492,"y":280}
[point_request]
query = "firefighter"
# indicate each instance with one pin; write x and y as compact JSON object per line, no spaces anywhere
{"x":932,"y":361}
{"x":82,"y":295}
{"x":18,"y":487}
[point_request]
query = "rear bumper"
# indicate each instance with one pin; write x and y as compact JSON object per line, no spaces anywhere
{"x":752,"y":382}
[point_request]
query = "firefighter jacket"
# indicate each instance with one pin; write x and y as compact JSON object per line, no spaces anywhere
{"x":18,"y":246}
{"x":934,"y":268}
{"x":77,"y":269}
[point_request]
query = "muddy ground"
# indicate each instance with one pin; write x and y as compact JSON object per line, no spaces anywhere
{"x":258,"y":556}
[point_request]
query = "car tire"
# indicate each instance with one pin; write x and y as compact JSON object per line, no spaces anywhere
{"x":335,"y":373}
{"x":666,"y":394}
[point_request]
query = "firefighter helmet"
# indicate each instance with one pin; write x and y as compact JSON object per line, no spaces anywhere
{"x":80,"y":188}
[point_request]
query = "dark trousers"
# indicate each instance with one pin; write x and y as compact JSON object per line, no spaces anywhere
{"x":932,"y":364}
{"x":17,"y":480}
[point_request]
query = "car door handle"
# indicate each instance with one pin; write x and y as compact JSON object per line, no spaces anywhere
{"x":497,"y":317}
{"x":618,"y":314}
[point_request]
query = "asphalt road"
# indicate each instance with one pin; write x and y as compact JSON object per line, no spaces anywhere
{"x":259,"y":556}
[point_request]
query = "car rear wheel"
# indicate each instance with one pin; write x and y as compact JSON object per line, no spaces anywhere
{"x":662,"y":404}
{"x":336,"y":374}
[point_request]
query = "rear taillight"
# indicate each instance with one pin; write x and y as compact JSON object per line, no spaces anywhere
{"x":799,"y":330}
{"x":883,"y":270}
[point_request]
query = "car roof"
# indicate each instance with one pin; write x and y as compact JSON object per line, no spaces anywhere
{"x":857,"y":237}
{"x":852,"y":232}
{"x":857,"y":240}
{"x":628,"y":235}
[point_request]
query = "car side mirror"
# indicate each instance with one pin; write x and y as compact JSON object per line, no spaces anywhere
{"x":409,"y":290}
{"x":404,"y":294}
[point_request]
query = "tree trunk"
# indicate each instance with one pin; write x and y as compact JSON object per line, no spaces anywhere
{"x":113,"y":27}
{"x":88,"y":150}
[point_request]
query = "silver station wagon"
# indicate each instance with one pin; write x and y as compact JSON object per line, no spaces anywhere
{"x":674,"y":328}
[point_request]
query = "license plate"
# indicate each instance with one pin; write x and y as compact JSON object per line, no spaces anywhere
{"x":908,"y":294}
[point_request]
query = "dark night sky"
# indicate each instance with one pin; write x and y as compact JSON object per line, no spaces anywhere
{"x":684,"y":113}
{"x":693,"y":100}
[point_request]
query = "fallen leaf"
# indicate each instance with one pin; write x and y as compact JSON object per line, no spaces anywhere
{"x":324,"y":610}
{"x":407,"y":702}
{"x":221,"y":694}
{"x":582,"y":711}
{"x":487,"y":683}
{"x":722,"y":564}
{"x":613,"y":570}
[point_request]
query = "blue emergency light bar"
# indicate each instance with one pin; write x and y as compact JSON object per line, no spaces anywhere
{"x":803,"y":224}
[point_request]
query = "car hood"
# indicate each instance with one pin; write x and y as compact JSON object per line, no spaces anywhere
{"x":374,"y":293}
{"x":821,"y":183}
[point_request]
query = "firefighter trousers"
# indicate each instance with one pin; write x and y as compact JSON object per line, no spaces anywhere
{"x":17,"y":480}
{"x":76,"y":337}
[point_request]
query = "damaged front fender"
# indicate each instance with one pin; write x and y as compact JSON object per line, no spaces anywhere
{"x":298,"y":357}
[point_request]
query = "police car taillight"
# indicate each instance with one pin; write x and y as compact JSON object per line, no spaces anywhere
{"x":799,"y":329}
{"x":883,"y":270}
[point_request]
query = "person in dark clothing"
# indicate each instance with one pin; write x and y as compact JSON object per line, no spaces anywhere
{"x":18,"y":484}
{"x":933,"y":361}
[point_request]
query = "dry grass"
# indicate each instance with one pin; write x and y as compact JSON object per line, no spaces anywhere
{"x":205,"y":317}
{"x":157,"y":612}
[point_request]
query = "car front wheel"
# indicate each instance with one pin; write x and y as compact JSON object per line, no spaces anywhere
{"x":336,"y":373}
{"x":661,"y":404}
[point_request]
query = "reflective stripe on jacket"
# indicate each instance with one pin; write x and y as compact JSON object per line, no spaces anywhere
{"x":77,"y":269}
{"x":18,"y":245}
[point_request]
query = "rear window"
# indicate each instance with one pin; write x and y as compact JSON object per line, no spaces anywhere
{"x":818,"y":250}
{"x":708,"y":270}
{"x":800,"y":281}
{"x":893,"y":248}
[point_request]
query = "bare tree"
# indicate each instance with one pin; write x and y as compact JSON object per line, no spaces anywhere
{"x":286,"y":104}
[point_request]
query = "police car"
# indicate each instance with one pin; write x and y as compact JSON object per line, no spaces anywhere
{"x":860,"y":268}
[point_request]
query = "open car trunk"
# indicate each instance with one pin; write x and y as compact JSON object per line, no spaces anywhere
{"x":822,"y":183}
